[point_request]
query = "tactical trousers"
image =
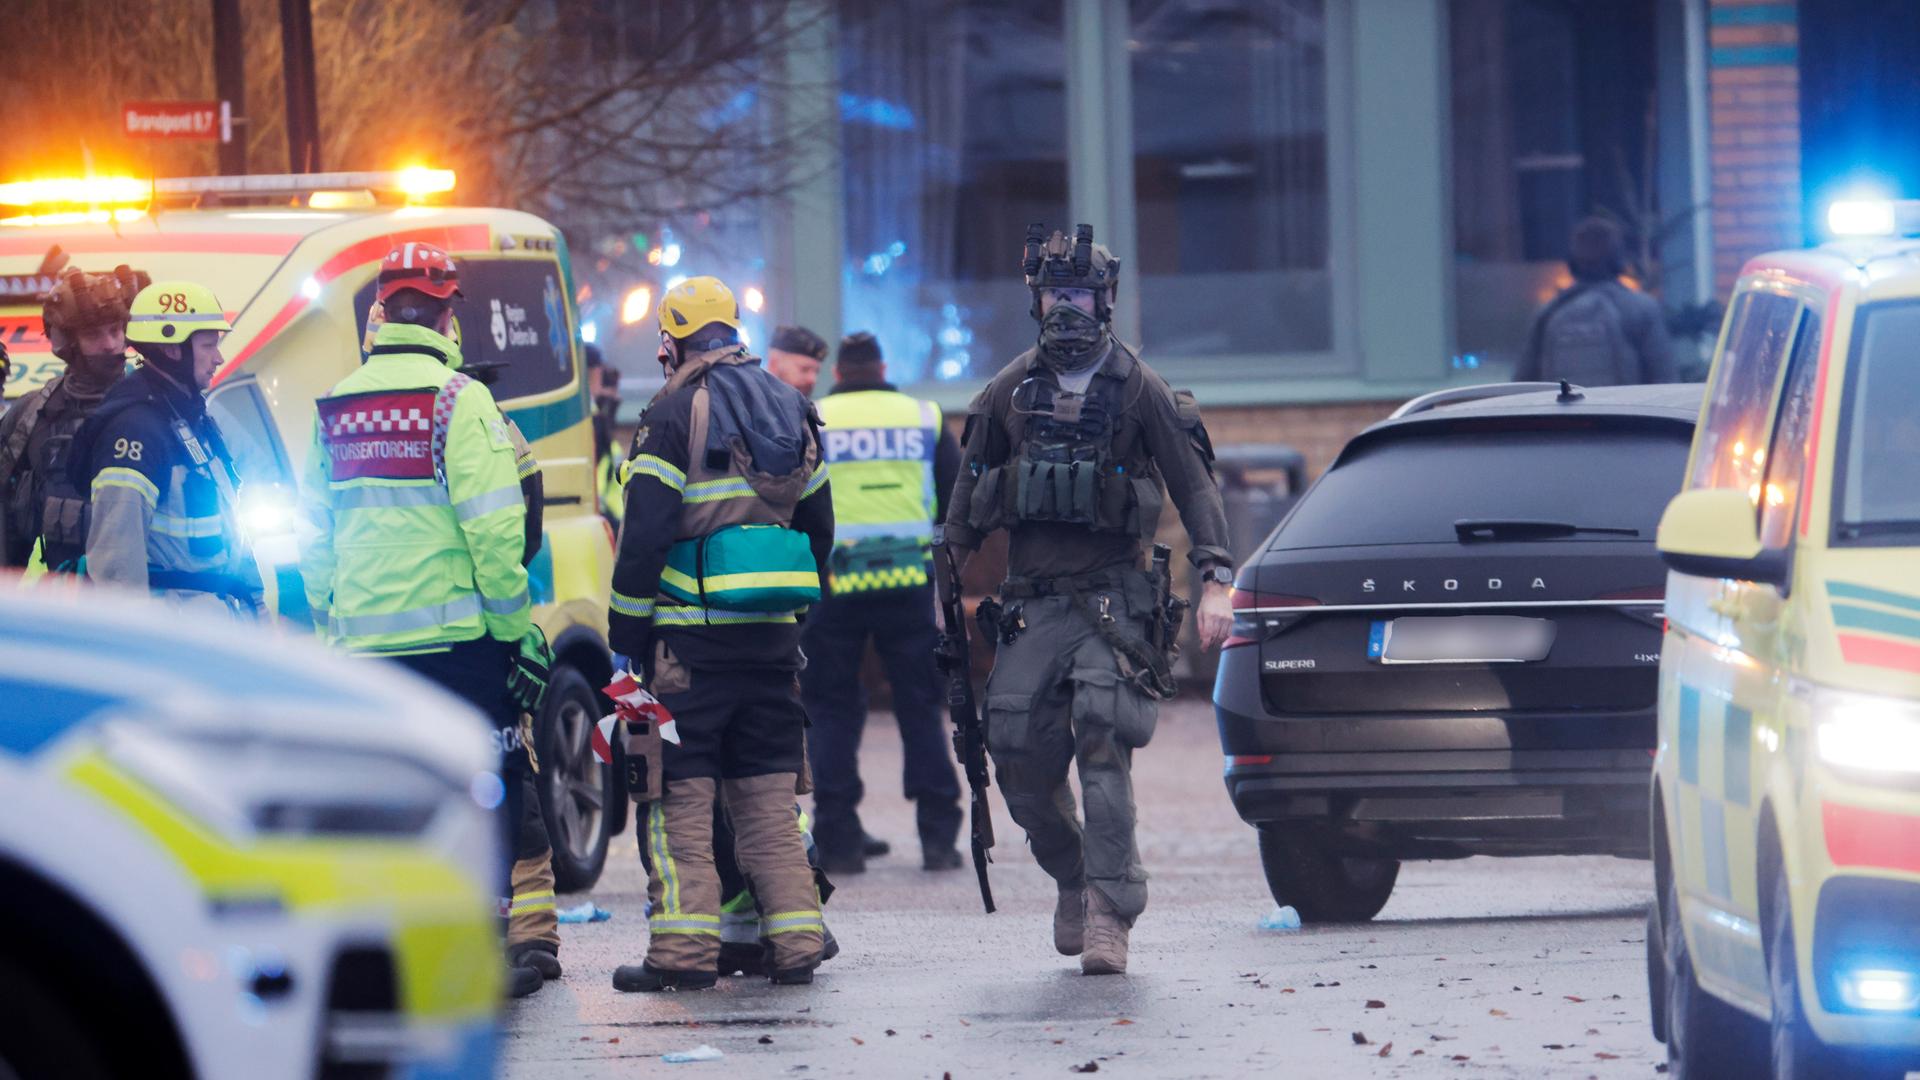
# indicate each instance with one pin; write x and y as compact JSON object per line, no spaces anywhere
{"x":476,"y":671}
{"x":1056,"y":697}
{"x":741,"y":738}
{"x":900,"y":622}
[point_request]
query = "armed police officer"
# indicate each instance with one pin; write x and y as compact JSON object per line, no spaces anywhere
{"x":85,"y":318}
{"x":161,"y":480}
{"x":1070,"y":449}
{"x":729,"y":524}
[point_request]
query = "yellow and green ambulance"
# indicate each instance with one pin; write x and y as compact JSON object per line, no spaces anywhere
{"x":1786,"y":787}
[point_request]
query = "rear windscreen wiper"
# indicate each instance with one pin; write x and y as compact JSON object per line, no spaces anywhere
{"x":1471,"y":529}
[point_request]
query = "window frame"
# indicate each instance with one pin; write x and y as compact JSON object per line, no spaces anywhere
{"x":1803,"y":303}
{"x":1843,"y":437}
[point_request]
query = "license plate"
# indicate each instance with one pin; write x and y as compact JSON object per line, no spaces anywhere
{"x":1460,"y":639}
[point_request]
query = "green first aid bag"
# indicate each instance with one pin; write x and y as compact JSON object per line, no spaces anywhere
{"x":743,"y":568}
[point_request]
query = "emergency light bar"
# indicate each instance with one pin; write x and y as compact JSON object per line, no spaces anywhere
{"x":18,"y":287}
{"x":1874,"y":217}
{"x":413,"y":183}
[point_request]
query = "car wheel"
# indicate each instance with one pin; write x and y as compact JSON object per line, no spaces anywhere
{"x":1656,"y":974}
{"x":576,"y":787}
{"x":40,"y":1036}
{"x":1797,"y":1052}
{"x":1320,"y":885}
{"x":1706,"y":1037}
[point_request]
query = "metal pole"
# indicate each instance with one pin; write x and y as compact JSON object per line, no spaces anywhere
{"x":229,"y":81}
{"x":303,"y":107}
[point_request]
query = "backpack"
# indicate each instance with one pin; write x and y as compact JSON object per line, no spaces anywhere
{"x":1583,"y":340}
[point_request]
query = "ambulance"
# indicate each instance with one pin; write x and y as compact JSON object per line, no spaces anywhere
{"x":293,"y":258}
{"x":1786,"y":787}
{"x":221,"y":858}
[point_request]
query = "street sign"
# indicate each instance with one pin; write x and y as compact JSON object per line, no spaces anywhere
{"x":178,"y":120}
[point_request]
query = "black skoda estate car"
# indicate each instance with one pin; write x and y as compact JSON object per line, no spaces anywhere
{"x":1451,"y":645}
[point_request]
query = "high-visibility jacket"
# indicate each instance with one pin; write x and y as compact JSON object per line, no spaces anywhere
{"x":879,"y":448}
{"x":414,"y":522}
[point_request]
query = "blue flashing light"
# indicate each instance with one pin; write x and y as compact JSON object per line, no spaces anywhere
{"x":859,"y":109}
{"x":590,"y":332}
{"x":1880,"y":989}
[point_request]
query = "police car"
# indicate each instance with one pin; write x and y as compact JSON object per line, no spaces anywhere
{"x":224,"y":860}
{"x":1786,"y":789}
{"x":294,"y":259}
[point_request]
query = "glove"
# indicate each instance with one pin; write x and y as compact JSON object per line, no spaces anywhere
{"x":532,"y":667}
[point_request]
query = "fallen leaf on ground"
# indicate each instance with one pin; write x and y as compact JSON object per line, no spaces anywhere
{"x":1459,"y":1057}
{"x":1418,"y":1053}
{"x":1496,"y":1012}
{"x":858,"y":1041}
{"x":963,"y":1022}
{"x":1360,"y":1039}
{"x":1387,"y":1050}
{"x":615,"y":1039}
{"x":1373,"y":1003}
{"x":1604,"y":1056}
{"x":1575,"y":1000}
{"x":1091,"y":1066}
{"x":890,"y":1031}
{"x":766,"y":1040}
{"x":1059,"y":1042}
{"x":1553,"y":1046}
{"x":1286,"y":989}
{"x":1593,"y":1031}
{"x":1122,"y":1022}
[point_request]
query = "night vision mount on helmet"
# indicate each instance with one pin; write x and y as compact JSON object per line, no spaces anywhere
{"x":1054,"y":262}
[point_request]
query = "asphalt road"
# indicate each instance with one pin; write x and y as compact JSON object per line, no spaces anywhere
{"x":1483,"y":967}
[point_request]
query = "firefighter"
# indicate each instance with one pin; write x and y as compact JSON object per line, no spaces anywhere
{"x":729,"y":523}
{"x":85,"y":317}
{"x":892,"y":462}
{"x":160,"y":478}
{"x":1072,"y":449}
{"x":416,"y":524}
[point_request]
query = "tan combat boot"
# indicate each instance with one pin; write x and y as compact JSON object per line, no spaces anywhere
{"x":1106,"y":939}
{"x":1070,"y":922}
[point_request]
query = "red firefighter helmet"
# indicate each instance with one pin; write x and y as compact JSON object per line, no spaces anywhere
{"x":423,"y":267}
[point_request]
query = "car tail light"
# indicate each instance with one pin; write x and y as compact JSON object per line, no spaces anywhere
{"x":1246,"y":603}
{"x":1249,"y":759}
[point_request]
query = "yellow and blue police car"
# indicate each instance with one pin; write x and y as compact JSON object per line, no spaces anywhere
{"x":1786,"y":789}
{"x":296,"y":256}
{"x":221,"y":858}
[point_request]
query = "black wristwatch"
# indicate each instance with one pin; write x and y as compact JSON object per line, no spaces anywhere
{"x":1217,"y":574}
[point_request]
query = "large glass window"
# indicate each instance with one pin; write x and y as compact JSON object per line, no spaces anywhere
{"x":953,"y":138}
{"x":1230,"y":177}
{"x":1552,"y":107}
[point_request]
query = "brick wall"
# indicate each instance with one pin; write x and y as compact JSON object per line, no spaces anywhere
{"x":1754,"y":79}
{"x":1318,"y":431}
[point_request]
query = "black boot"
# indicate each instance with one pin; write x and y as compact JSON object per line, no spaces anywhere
{"x":522,"y":981}
{"x":793,"y":976}
{"x":541,"y":956}
{"x":646,"y":979}
{"x":742,"y":959}
{"x":940,"y":858}
{"x":872,"y":846}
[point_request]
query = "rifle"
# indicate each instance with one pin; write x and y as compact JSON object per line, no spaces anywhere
{"x":969,"y":733}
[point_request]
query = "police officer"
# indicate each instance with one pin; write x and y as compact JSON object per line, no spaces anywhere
{"x":728,"y":527}
{"x":161,"y":480}
{"x":892,"y":462}
{"x":85,"y":318}
{"x":1070,"y":449}
{"x":416,"y":525}
{"x":794,"y":355}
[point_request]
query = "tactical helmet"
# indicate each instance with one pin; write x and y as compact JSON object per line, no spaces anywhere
{"x":1055,"y":262}
{"x":169,"y":312}
{"x":696,"y":303}
{"x":81,"y":301}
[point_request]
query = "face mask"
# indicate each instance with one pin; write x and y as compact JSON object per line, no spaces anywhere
{"x":97,"y":369}
{"x":1070,"y":339}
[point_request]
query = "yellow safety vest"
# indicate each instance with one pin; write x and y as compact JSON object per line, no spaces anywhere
{"x":879,"y":447}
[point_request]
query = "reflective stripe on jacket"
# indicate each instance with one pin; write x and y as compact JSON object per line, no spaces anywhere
{"x":414,"y":521}
{"x":879,"y":446}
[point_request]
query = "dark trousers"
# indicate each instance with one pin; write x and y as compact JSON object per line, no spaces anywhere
{"x":900,"y":622}
{"x":476,"y":672}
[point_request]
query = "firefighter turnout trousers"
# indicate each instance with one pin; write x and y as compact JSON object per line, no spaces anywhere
{"x":741,"y":742}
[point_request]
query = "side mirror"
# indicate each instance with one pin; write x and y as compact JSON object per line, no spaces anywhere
{"x":1715,"y":533}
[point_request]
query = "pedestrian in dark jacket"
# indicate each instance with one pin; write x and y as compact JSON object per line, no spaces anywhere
{"x":1598,"y":331}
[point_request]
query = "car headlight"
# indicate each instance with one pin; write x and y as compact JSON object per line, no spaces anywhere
{"x":1867,"y":733}
{"x":244,"y":784}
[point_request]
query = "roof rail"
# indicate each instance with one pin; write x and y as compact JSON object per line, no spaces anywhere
{"x":1454,"y":395}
